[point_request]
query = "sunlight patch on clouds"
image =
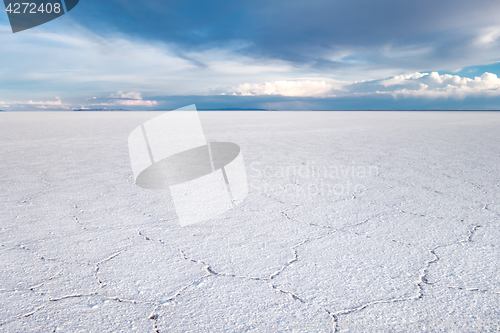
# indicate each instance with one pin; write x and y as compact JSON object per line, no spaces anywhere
{"x":284,"y":88}
{"x":400,"y":79}
{"x":488,"y":36}
{"x":228,"y":60}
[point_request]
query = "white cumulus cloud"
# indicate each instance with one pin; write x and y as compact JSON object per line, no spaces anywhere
{"x":129,"y":95}
{"x":132,"y":98}
{"x":284,"y":88}
{"x":435,"y":85}
{"x":56,"y":104}
{"x":137,"y":103}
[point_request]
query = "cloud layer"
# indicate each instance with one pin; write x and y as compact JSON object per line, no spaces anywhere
{"x":421,"y":86}
{"x":138,"y":55}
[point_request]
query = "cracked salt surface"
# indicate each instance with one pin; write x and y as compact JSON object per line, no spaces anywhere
{"x":355,"y":222}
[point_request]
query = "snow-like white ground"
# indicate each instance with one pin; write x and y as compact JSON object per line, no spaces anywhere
{"x":355,"y":222}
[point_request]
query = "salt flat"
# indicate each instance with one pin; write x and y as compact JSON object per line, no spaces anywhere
{"x":355,"y":222}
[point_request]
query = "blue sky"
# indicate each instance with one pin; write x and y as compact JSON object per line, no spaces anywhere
{"x":279,"y":55}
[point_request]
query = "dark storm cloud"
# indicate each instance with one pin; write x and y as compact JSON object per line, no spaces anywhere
{"x":300,"y":31}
